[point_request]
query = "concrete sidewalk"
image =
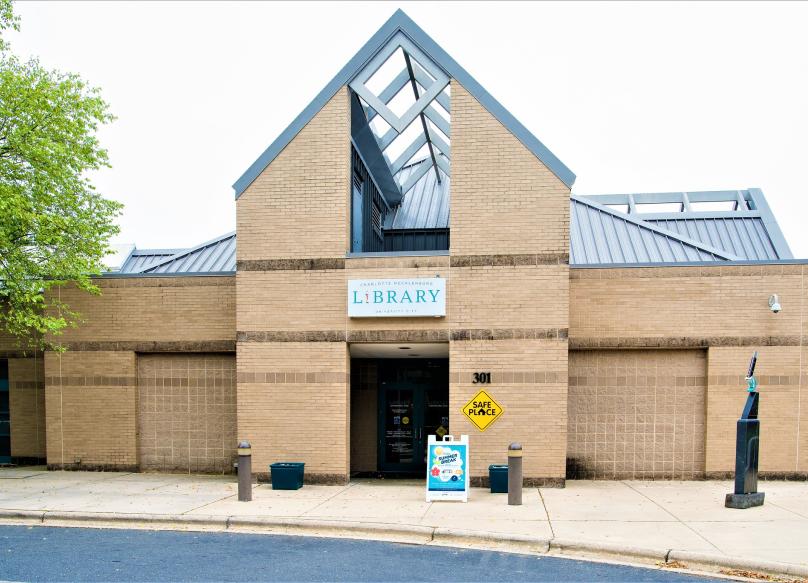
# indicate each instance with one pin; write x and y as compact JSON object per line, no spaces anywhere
{"x":667,"y":521}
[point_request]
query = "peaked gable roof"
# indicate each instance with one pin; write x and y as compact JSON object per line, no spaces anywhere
{"x":400,"y":22}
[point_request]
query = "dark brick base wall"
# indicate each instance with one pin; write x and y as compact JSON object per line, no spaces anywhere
{"x":319,"y":479}
{"x":28,"y":461}
{"x":93,"y":467}
{"x":527,"y":482}
{"x":787,"y":476}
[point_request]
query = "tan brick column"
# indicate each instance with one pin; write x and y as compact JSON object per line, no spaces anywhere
{"x":91,"y":408}
{"x":27,"y":404}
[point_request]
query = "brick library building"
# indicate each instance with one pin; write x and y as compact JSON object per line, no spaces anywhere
{"x":403,"y":245}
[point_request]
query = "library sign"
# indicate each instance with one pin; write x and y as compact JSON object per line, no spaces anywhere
{"x":397,"y":298}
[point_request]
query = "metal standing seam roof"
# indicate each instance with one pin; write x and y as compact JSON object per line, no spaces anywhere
{"x":399,"y":22}
{"x":215,"y":256}
{"x":745,"y":238}
{"x":748,"y":232}
{"x":426,"y":205}
{"x":600,"y":235}
{"x":139,"y":259}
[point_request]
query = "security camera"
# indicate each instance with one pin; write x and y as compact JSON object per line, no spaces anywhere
{"x":774,"y":303}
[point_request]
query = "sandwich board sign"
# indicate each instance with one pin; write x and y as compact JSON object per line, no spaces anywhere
{"x":447,"y":468}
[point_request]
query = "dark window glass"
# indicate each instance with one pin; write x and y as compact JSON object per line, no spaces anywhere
{"x":356,"y":217}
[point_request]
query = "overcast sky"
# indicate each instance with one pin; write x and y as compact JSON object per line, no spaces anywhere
{"x":633,"y":97}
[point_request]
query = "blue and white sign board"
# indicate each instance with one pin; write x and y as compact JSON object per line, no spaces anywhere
{"x":397,"y":298}
{"x":447,"y":468}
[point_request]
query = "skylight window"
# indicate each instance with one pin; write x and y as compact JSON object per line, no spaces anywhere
{"x":410,"y":136}
{"x":385,"y":74}
{"x":659,"y":207}
{"x":406,"y":99}
{"x":713,"y":206}
{"x":401,"y":147}
{"x":403,"y":100}
{"x":623,"y":208}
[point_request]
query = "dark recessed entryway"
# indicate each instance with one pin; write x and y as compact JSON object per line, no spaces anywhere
{"x":396,"y":403}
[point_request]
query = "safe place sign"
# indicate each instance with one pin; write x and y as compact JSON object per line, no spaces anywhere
{"x":447,"y":468}
{"x":397,"y":298}
{"x":482,"y":410}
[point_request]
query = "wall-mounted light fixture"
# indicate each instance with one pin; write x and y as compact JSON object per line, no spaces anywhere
{"x":774,"y":303}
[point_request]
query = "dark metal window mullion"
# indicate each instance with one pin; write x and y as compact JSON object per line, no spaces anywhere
{"x":371,"y":240}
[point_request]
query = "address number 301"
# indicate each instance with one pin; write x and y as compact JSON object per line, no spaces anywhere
{"x":481,"y":378}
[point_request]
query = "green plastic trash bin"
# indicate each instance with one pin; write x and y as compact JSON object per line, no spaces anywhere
{"x":498,"y":478}
{"x":289,"y":475}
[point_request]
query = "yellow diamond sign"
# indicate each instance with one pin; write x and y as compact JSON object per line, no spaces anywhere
{"x":482,"y":410}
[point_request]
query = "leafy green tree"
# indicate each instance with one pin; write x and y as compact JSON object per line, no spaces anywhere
{"x":54,"y":227}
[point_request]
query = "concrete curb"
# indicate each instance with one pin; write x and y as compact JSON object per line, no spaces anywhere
{"x":728,"y":562}
{"x":38,"y":515}
{"x":572,"y":547}
{"x":454,"y":537}
{"x":58,"y":517}
{"x":700,"y":560}
{"x":318,"y":527}
{"x":411,"y":534}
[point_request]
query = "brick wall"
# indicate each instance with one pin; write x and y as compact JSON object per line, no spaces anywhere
{"x":504,"y":200}
{"x":187,"y":412}
{"x":11,"y":346}
{"x":315,"y":300}
{"x":509,"y":283}
{"x":507,"y":278}
{"x":293,"y":397}
{"x":782,"y":445}
{"x":293,"y":405}
{"x":91,"y":389}
{"x":91,"y":410}
{"x":529,"y":381}
{"x":637,"y":414}
{"x":298,"y":206}
{"x":7,"y":343}
{"x":184,"y":311}
{"x":724,"y":310}
{"x":27,"y":407}
{"x":690,"y":303}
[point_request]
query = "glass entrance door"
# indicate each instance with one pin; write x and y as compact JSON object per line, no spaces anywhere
{"x":401,"y":428}
{"x":436,"y":413}
{"x":5,"y":417}
{"x":409,"y":412}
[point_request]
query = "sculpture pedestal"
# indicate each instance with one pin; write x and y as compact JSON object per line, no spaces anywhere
{"x":746,"y":458}
{"x":744,"y":500}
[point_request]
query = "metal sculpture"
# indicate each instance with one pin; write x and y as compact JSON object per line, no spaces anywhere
{"x":747,"y":445}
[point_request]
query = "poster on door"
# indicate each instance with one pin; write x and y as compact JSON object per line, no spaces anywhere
{"x":447,"y":468}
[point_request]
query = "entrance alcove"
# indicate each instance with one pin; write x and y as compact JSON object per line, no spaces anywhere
{"x":399,"y":396}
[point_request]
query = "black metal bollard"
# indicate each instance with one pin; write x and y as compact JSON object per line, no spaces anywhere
{"x":244,"y":471}
{"x":515,"y":474}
